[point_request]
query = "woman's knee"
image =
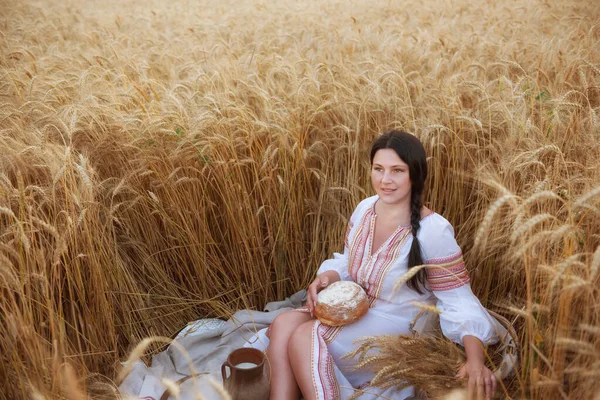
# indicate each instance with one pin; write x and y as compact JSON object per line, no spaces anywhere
{"x":285,"y":323}
{"x":301,"y":337}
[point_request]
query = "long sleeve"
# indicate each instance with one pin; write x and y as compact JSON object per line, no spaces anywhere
{"x":461,"y":311}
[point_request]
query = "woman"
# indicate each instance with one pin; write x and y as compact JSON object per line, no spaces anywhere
{"x":387,"y":235}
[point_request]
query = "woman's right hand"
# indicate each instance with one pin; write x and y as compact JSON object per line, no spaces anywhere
{"x":320,"y":283}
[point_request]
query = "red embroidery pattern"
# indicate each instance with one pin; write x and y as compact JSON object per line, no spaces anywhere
{"x":371,"y":273}
{"x":358,"y":245}
{"x":447,"y":272}
{"x":324,"y":380}
{"x":385,"y":262}
{"x":331,"y":333}
{"x":347,"y":237}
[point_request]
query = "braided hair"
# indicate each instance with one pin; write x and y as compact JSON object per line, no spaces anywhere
{"x":411,"y":151}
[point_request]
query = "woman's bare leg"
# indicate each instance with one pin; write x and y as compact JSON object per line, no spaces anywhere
{"x":299,"y":351}
{"x":283,"y":382}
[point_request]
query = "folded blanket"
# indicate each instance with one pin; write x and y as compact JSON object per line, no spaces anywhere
{"x":207,"y":342}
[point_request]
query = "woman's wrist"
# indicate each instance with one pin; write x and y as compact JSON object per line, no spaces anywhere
{"x":474,"y":350}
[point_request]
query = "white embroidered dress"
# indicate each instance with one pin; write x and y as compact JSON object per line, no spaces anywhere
{"x":390,"y":312}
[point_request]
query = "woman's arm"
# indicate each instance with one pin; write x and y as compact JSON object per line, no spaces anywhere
{"x":482,"y":382}
{"x":463,"y":319}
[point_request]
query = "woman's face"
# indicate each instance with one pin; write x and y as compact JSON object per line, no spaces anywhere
{"x":390,"y":177}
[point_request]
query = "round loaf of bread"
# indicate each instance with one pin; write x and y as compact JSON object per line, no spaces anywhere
{"x":341,"y":303}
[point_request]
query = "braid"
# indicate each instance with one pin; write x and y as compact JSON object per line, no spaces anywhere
{"x":415,"y":212}
{"x":414,"y":256}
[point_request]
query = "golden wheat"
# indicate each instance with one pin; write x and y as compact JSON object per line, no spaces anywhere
{"x":164,"y":162}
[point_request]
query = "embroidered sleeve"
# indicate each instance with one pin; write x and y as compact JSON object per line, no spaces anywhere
{"x":447,"y":273}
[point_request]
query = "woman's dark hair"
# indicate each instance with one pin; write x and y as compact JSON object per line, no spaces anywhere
{"x":411,"y":151}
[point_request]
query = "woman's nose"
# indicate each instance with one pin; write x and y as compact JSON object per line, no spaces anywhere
{"x":387,"y":177}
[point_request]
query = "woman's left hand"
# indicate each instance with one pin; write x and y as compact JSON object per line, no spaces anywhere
{"x":482,"y":381}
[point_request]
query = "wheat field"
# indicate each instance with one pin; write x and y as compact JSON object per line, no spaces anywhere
{"x":164,"y":161}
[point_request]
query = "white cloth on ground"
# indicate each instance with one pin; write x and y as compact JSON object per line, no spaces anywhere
{"x":207,"y":342}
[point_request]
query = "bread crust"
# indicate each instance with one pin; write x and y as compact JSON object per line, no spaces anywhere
{"x":341,"y":303}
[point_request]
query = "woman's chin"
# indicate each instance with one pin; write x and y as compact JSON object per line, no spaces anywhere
{"x":388,"y":199}
{"x":388,"y":195}
{"x":391,"y":198}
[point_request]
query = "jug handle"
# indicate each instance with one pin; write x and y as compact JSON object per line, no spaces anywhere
{"x":223,"y":371}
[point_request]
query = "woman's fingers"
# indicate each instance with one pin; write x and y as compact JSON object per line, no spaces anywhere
{"x":489,"y":392}
{"x":480,"y":388}
{"x":311,"y":300}
{"x":481,"y":384}
{"x":472,"y":391}
{"x":493,"y":385}
{"x":320,"y":283}
{"x":310,"y":304}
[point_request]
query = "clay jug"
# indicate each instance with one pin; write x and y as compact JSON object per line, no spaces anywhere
{"x":247,"y":378}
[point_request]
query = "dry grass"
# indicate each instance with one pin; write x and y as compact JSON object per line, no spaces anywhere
{"x":165,"y":161}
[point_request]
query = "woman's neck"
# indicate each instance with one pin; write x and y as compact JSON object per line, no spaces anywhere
{"x":400,"y":213}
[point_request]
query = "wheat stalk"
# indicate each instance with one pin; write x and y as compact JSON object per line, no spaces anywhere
{"x":583,"y":200}
{"x":485,"y":226}
{"x":530,"y":223}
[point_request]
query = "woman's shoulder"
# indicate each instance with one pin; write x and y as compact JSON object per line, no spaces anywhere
{"x":436,"y":237}
{"x":364,"y":205}
{"x":432,"y":221}
{"x":369,"y":201}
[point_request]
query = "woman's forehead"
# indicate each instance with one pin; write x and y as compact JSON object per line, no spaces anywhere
{"x":388,"y":157}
